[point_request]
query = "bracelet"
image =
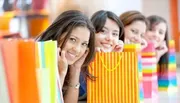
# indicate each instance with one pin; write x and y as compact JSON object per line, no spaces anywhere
{"x":74,"y":86}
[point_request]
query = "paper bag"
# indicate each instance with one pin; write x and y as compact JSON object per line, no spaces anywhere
{"x":116,"y":78}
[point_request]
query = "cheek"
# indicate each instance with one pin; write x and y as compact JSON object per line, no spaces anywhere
{"x":115,"y":41}
{"x":129,"y":35}
{"x":162,"y":38}
{"x":83,"y":50}
{"x":127,"y":32}
{"x":149,"y":34}
{"x":67,"y":46}
{"x":99,"y":37}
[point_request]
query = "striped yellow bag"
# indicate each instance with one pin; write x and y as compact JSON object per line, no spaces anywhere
{"x":116,"y":78}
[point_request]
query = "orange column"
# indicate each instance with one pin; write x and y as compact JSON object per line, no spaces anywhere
{"x":174,"y":22}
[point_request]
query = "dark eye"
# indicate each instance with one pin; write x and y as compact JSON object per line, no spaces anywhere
{"x":84,"y":44}
{"x":134,"y":31}
{"x":104,"y":31}
{"x":72,"y":39}
{"x":115,"y":34}
{"x":161,"y":32}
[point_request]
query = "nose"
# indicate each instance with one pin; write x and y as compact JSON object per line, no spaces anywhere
{"x":154,"y":35}
{"x":109,"y":37}
{"x":137,"y":39}
{"x":77,"y":48}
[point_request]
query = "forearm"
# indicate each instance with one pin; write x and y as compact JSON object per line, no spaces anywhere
{"x":72,"y":93}
{"x":62,"y":77}
{"x":157,"y":58}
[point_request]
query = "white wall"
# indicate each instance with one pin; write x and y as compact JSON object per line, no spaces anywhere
{"x":157,"y":7}
{"x":120,"y":6}
{"x":91,"y":6}
{"x":161,"y":8}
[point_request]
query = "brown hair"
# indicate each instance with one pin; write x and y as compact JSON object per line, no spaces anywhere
{"x":64,"y":24}
{"x":131,"y":16}
{"x":61,"y":29}
{"x":163,"y":62}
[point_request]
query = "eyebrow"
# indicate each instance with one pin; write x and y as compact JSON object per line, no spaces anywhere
{"x":135,"y":29}
{"x":105,"y":28}
{"x":78,"y":38}
{"x":74,"y":36}
{"x":108,"y":29}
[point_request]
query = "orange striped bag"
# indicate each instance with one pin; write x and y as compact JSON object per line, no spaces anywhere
{"x":116,"y":78}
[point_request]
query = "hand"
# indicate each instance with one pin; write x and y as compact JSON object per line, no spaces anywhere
{"x":161,"y":50}
{"x":119,"y":46}
{"x":62,"y":62}
{"x":127,"y":41}
{"x":99,"y":49}
{"x":143,"y":44}
{"x":78,"y":64}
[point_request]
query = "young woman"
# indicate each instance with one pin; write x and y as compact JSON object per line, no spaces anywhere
{"x":135,"y":25}
{"x":109,"y":37}
{"x":75,"y":35}
{"x":158,"y":33}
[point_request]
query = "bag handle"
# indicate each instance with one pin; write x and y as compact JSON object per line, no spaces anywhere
{"x":114,"y":68}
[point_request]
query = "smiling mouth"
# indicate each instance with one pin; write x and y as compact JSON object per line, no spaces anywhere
{"x":70,"y":56}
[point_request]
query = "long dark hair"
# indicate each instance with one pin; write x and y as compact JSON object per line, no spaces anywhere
{"x":62,"y":27}
{"x":163,"y":62}
{"x":99,"y":19}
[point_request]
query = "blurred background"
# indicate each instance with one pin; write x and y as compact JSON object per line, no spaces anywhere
{"x":28,"y":18}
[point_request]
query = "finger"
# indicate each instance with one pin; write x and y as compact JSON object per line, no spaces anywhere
{"x":102,"y":50}
{"x":63,"y":55}
{"x":126,"y":41}
{"x":87,"y":51}
{"x":97,"y":49}
{"x":144,"y":43}
{"x":120,"y":42}
{"x":163,"y":45}
{"x":58,"y":51}
{"x":118,"y":49}
{"x":165,"y":48}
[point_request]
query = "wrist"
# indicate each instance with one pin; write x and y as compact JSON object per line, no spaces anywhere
{"x":74,"y":85}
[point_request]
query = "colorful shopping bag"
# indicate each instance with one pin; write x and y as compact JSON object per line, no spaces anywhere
{"x":168,"y":81}
{"x":137,"y":48}
{"x":42,"y":74}
{"x":150,"y":85}
{"x":19,"y":62}
{"x":4,"y":93}
{"x":49,"y":80}
{"x":116,"y":78}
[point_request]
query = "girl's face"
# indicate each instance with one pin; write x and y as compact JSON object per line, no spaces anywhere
{"x":108,"y":37}
{"x":157,"y":34}
{"x":77,"y":44}
{"x":135,"y":31}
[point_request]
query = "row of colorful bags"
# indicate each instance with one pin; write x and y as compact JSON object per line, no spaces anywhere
{"x":130,"y":76}
{"x":28,"y":72}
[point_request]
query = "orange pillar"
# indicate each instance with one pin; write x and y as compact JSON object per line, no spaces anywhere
{"x":175,"y":23}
